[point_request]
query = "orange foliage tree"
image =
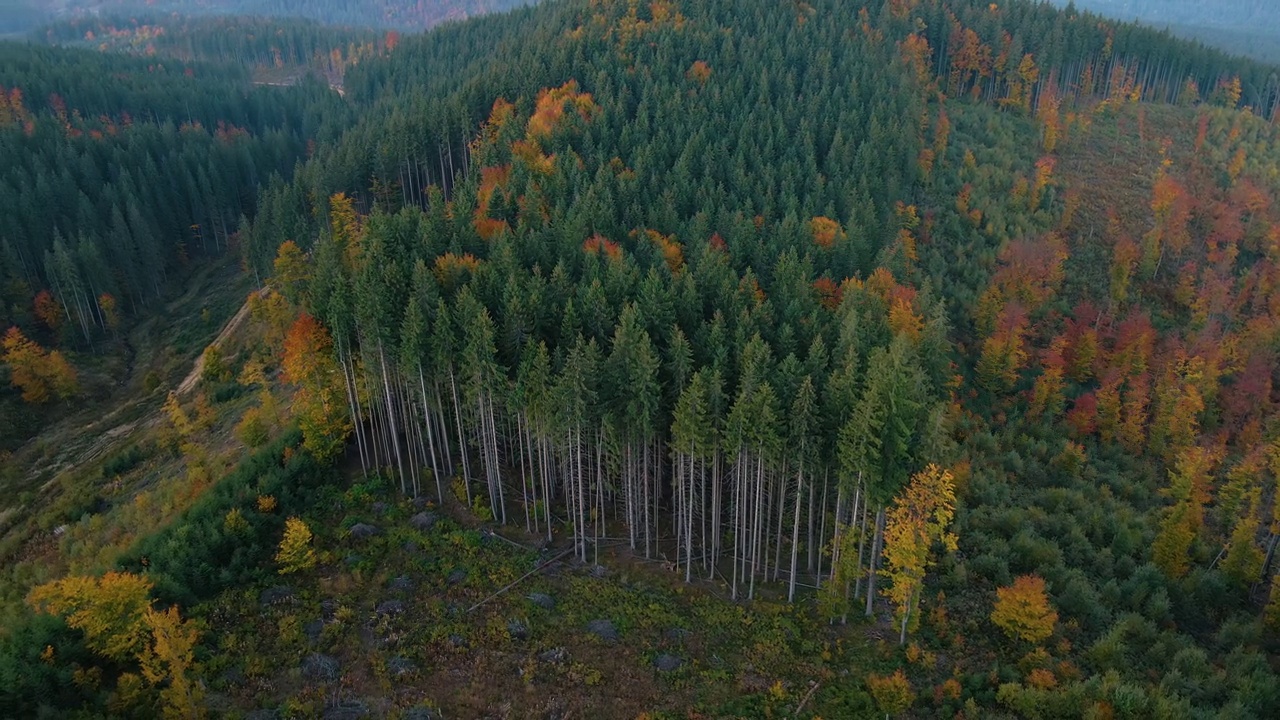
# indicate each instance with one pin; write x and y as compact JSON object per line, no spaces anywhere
{"x":48,"y":310}
{"x":825,"y":231}
{"x":699,"y":72}
{"x":892,"y":693}
{"x":1023,"y":611}
{"x":38,"y":374}
{"x":319,"y":403}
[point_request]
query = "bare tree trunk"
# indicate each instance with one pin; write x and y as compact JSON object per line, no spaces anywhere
{"x":795,"y":532}
{"x":875,"y":561}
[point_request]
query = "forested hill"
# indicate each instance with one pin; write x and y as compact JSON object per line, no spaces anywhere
{"x":1240,"y":27}
{"x":277,"y":51}
{"x":952,"y":324}
{"x":745,"y":276}
{"x":398,"y":14}
{"x":121,"y":175}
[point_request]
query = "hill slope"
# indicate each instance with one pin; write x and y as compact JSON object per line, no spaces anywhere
{"x":950,"y":324}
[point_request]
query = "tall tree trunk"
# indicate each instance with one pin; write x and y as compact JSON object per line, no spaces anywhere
{"x":795,"y":532}
{"x":874,"y":561}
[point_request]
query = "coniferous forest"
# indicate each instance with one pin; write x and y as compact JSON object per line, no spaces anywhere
{"x":910,"y":358}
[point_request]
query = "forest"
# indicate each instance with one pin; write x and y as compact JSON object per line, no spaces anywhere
{"x":927,"y":346}
{"x":1239,"y":27}
{"x":25,"y":15}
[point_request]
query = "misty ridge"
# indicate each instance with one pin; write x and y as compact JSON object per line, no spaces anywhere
{"x":21,"y":16}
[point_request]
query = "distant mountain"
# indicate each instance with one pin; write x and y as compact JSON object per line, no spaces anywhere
{"x":1243,"y":27}
{"x":20,"y":15}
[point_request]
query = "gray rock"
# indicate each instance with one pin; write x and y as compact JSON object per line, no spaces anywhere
{"x":329,"y":608}
{"x":379,"y":507}
{"x":354,"y":559}
{"x":276,"y":595}
{"x":404,"y":583}
{"x":457,"y":641}
{"x":400,"y":666}
{"x":421,"y":501}
{"x":542,"y":600}
{"x":321,"y":667}
{"x":423,"y":521}
{"x":603,"y":629}
{"x":457,"y":576}
{"x":390,"y":607}
{"x":364,"y":530}
{"x":346,"y":710}
{"x":419,"y":713}
{"x":599,"y":571}
{"x":667,"y":663}
{"x":519,"y":629}
{"x":555,"y":656}
{"x":677,"y":635}
{"x":410,"y":547}
{"x":314,"y":630}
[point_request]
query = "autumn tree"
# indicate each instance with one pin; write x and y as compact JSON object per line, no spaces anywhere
{"x":892,"y":693}
{"x":292,"y":273}
{"x":1022,"y":610}
{"x":167,"y":663}
{"x":40,"y":375}
{"x":295,"y":553}
{"x":115,"y":614}
{"x":320,"y":403}
{"x":917,"y":520}
{"x":1189,"y":482}
{"x":1244,"y":560}
{"x":110,"y":611}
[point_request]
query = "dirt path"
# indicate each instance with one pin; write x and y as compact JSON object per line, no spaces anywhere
{"x":197,"y":369}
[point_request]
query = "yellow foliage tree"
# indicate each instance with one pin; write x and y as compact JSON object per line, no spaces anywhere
{"x":291,"y":272}
{"x":39,"y":374}
{"x":110,"y":610}
{"x":892,"y":693}
{"x":169,"y":658}
{"x":918,"y":519}
{"x":295,"y":551}
{"x":1023,"y":611}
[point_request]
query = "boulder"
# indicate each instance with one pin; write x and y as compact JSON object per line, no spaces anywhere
{"x":313,"y":630}
{"x":457,"y":641}
{"x":404,"y":584}
{"x":603,"y":629}
{"x":390,"y":607}
{"x":518,"y":629}
{"x":329,"y":608}
{"x":457,"y":576}
{"x":423,"y":521}
{"x":676,"y":635}
{"x":542,"y":600}
{"x":364,"y":531}
{"x":667,"y":663}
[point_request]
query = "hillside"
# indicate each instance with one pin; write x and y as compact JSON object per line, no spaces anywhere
{"x":394,"y":14}
{"x":722,"y":359}
{"x":1239,"y":27}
